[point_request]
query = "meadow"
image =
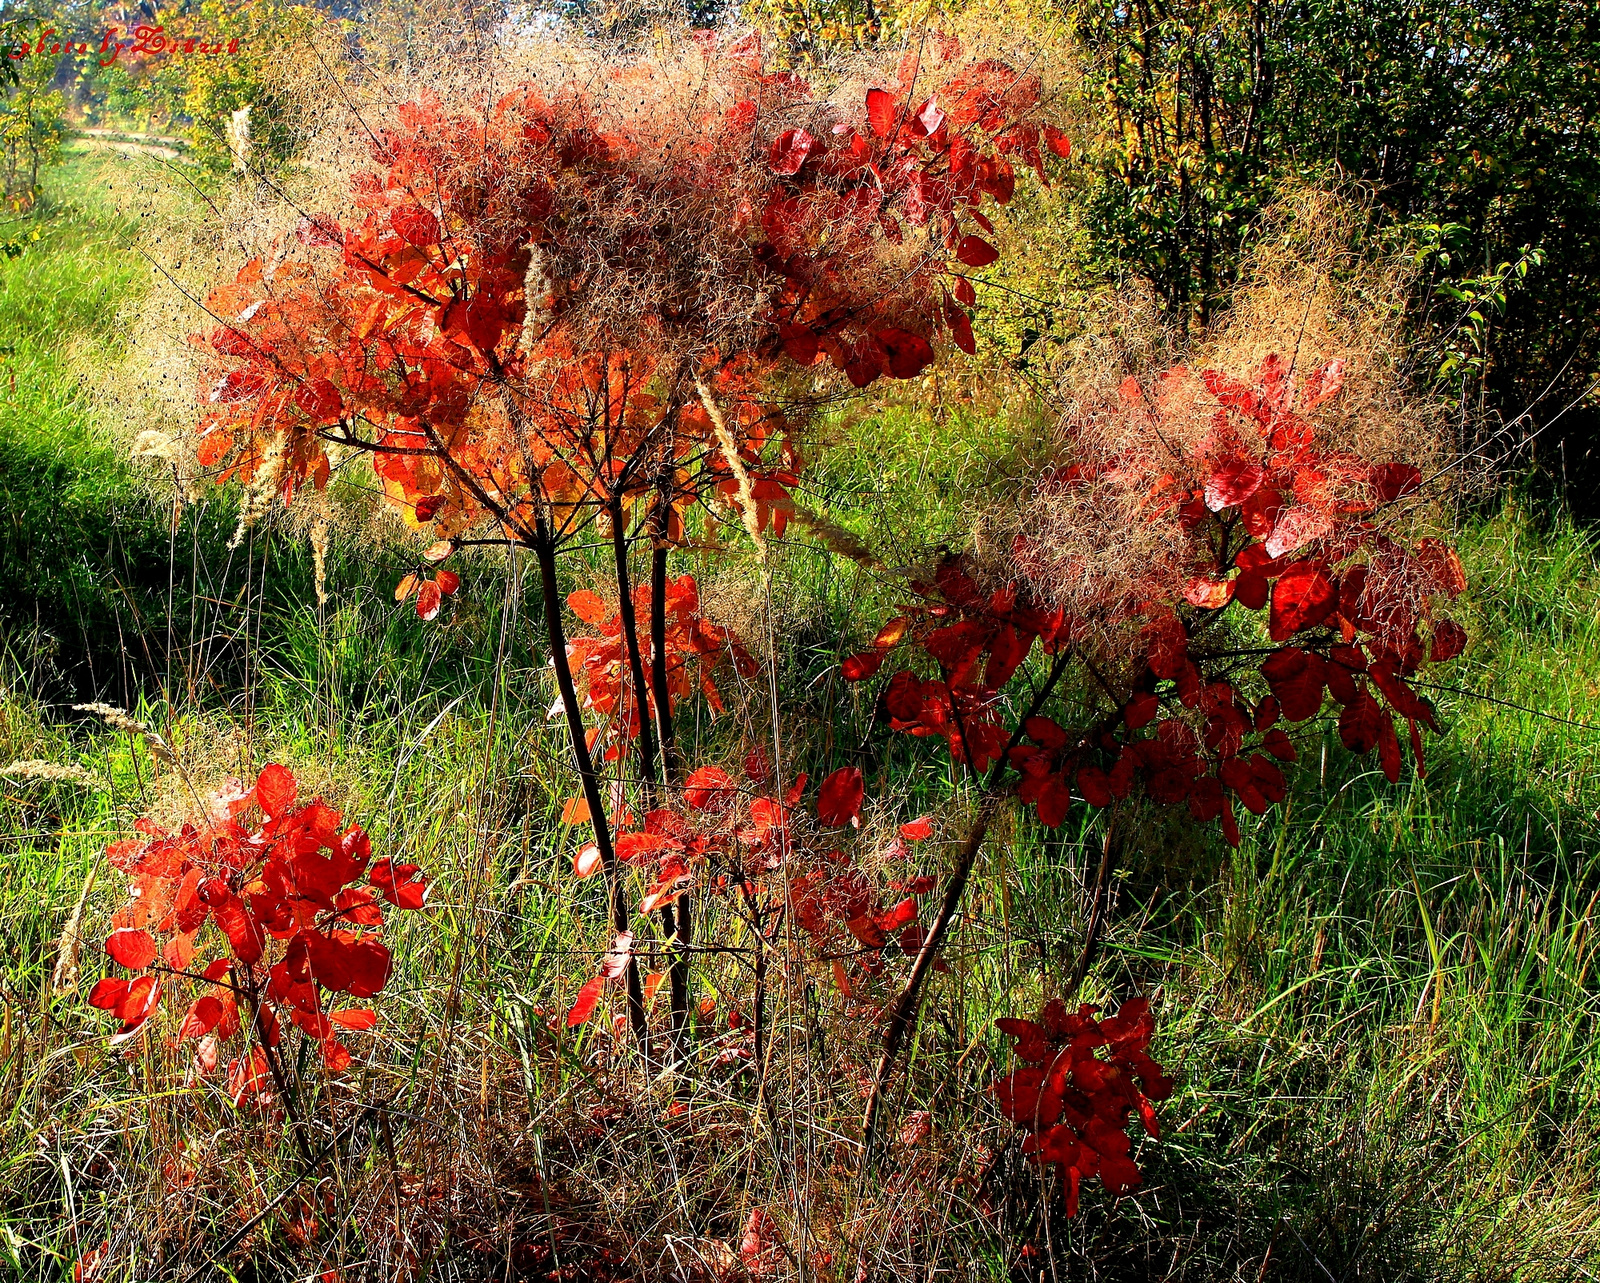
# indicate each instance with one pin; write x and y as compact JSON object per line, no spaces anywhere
{"x":1380,"y":1009}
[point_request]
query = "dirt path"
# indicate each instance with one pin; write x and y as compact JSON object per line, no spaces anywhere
{"x":158,"y":146}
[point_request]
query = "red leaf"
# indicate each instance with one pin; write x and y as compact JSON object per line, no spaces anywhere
{"x":241,"y":928}
{"x":961,"y":331}
{"x":1279,"y":745}
{"x":276,"y":789}
{"x":1449,"y":640}
{"x":908,"y":354}
{"x":903,"y":697}
{"x":616,"y":958}
{"x":1057,"y":141}
{"x":1141,"y":710}
{"x":402,"y":885}
{"x":201,"y":1017}
{"x":882,"y":111}
{"x":1233,"y":481}
{"x":329,"y":959}
{"x":1213,"y":594}
{"x":1296,"y":528}
{"x":575,"y":810}
{"x":584,"y":1007}
{"x":1388,"y":747}
{"x":589,"y":607}
{"x":415,"y":226}
{"x":429,"y":599}
{"x":1054,"y":803}
{"x":1250,"y":589}
{"x":709,"y":788}
{"x":133,"y":949}
{"x":1323,"y":384}
{"x":358,"y":1018}
{"x":108,"y":993}
{"x":370,"y":967}
{"x":839,"y":801}
{"x":486,"y":321}
{"x":917,"y":830}
{"x":976,"y":252}
{"x":1304,"y":596}
{"x":335,"y":1056}
{"x":1296,"y":678}
{"x":1395,"y":480}
{"x":964,"y":292}
{"x":633,"y":846}
{"x":759,"y":1230}
{"x":859,"y":668}
{"x":1230,"y":825}
{"x":1360,"y":723}
{"x":136,"y":1006}
{"x":320,"y":401}
{"x":1095,"y":786}
{"x":790,"y":151}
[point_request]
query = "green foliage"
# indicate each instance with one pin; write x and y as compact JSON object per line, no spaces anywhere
{"x":31,"y":126}
{"x":813,"y":30}
{"x":207,"y":91}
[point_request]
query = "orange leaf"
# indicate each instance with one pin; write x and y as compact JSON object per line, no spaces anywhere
{"x":275,"y":789}
{"x":588,"y":997}
{"x":135,"y":950}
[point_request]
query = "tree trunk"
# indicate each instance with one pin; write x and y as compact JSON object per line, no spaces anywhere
{"x":621,"y":916}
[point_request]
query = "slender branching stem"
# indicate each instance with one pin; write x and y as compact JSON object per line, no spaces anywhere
{"x":903,"y":1012}
{"x":545,"y":555}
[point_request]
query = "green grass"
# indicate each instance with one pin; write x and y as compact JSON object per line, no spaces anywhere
{"x":1382,"y":1008}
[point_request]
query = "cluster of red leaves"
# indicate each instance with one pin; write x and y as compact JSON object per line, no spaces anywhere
{"x":695,"y":647}
{"x":429,"y":590}
{"x":448,"y":332}
{"x":1075,"y":1104}
{"x":840,"y":909}
{"x":724,"y":835}
{"x":1272,"y":523}
{"x":729,"y":835}
{"x":928,"y":164}
{"x":296,"y":903}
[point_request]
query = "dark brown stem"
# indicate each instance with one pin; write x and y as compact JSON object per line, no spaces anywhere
{"x":661,"y":695}
{"x":758,"y":1004}
{"x":671,"y":921}
{"x":671,"y":762}
{"x":630,"y":638}
{"x":274,"y":1067}
{"x":1102,"y":887}
{"x":545,"y":554}
{"x":903,"y":1014}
